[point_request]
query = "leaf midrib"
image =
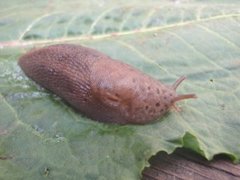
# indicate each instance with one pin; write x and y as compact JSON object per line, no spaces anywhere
{"x":19,"y":43}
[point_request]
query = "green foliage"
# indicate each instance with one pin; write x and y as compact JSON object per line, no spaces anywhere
{"x":42,"y":138}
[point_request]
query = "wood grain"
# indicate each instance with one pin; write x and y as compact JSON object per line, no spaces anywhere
{"x":187,"y":165}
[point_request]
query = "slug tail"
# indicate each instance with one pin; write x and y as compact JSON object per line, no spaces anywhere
{"x":184,"y":96}
{"x":178,"y":82}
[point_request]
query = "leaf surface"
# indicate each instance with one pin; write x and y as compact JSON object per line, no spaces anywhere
{"x":42,"y":137}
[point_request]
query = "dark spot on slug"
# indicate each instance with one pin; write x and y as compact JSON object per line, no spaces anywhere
{"x":151,"y":111}
{"x":95,"y":85}
{"x":142,"y":89}
{"x":166,"y":106}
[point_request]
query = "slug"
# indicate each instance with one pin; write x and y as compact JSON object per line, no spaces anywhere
{"x":99,"y":87}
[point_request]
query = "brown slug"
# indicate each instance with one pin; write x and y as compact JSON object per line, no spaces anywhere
{"x":103,"y":89}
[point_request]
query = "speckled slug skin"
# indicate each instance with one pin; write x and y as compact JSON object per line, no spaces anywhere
{"x":103,"y":89}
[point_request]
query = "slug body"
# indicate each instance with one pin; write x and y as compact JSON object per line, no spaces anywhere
{"x":103,"y":89}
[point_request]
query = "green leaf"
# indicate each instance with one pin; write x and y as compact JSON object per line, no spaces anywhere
{"x":41,"y":137}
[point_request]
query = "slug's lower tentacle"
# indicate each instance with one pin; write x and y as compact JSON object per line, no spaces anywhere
{"x":184,"y":96}
{"x":176,"y":107}
{"x":181,"y":97}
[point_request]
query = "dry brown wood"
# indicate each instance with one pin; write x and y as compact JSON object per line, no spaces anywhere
{"x":186,"y":165}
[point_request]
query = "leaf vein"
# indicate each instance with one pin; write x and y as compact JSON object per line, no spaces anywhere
{"x":21,"y":43}
{"x":218,"y":35}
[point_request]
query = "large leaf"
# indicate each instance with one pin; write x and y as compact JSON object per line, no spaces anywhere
{"x":41,"y":137}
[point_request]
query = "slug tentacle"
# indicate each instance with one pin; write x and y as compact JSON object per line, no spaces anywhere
{"x":178,"y":109}
{"x":181,"y":96}
{"x":178,"y":82}
{"x":184,"y":96}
